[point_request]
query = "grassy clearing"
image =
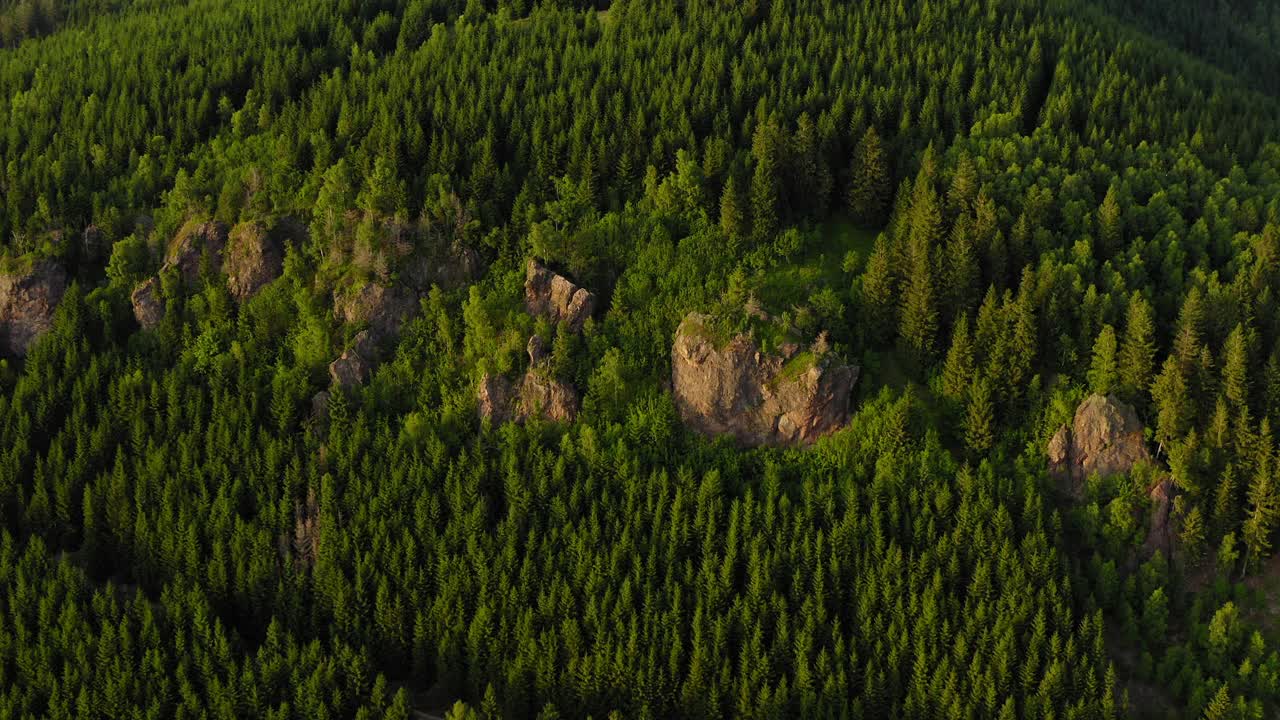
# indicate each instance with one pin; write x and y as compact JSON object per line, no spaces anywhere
{"x":821,"y":265}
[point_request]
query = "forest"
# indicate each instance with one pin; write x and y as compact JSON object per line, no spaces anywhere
{"x":359,"y":359}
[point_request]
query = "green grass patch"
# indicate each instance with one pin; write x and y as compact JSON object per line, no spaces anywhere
{"x":821,"y":264}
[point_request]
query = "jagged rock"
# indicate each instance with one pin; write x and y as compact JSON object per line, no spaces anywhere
{"x":538,"y":395}
{"x":383,"y":309}
{"x":546,"y":397}
{"x":356,"y":362}
{"x":1106,"y":437}
{"x":495,"y":397}
{"x":756,"y":397}
{"x":29,"y":295}
{"x":1160,"y":531}
{"x":252,"y":259}
{"x":148,"y":308}
{"x":556,"y":297}
{"x":195,"y":242}
{"x":537,"y":350}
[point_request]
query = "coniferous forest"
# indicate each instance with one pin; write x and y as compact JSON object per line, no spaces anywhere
{"x":643,"y":359}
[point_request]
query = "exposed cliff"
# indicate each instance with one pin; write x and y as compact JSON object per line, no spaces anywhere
{"x":29,"y":294}
{"x":555,"y":297}
{"x":1105,"y":437}
{"x":789,"y":398}
{"x":252,"y":259}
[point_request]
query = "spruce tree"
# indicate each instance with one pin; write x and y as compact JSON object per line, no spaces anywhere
{"x":979,"y":423}
{"x":1137,"y":351}
{"x":1103,"y":372}
{"x":958,"y":370}
{"x":870,"y":183}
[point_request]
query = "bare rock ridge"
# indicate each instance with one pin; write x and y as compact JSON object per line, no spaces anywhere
{"x":1105,"y":437}
{"x":249,"y":257}
{"x":195,"y":243}
{"x":148,"y":306}
{"x":787,"y":399}
{"x":29,"y":295}
{"x":356,"y":362}
{"x":252,"y":259}
{"x":555,"y":297}
{"x":538,"y":393}
{"x":383,"y":309}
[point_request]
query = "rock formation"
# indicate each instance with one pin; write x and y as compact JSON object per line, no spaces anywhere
{"x":1160,"y":531}
{"x":555,"y":297}
{"x":252,"y":259}
{"x":29,"y":295}
{"x":791,"y":398}
{"x":453,"y":266}
{"x":356,"y":362}
{"x":195,"y":242}
{"x":382,"y":309}
{"x":537,"y":395}
{"x":1104,"y":438}
{"x":148,"y":307}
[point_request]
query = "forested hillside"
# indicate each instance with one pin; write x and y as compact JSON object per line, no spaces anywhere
{"x":369,"y":359}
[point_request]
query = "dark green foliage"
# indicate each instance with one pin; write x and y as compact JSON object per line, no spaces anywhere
{"x":1081,"y":207}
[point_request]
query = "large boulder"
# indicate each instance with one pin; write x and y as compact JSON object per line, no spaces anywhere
{"x":29,"y":294}
{"x":252,"y":259}
{"x":356,"y":363}
{"x":555,"y":297}
{"x":148,"y":306}
{"x":450,"y":267}
{"x":1106,"y":438}
{"x":381,"y":308}
{"x":196,"y":243}
{"x":786,"y":399}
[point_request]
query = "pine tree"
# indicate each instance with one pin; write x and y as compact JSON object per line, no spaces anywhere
{"x":1235,"y":367}
{"x":871,"y":184}
{"x":1138,"y":351}
{"x":732,"y":219}
{"x":878,"y":293}
{"x":964,"y":186}
{"x":1219,"y":708}
{"x":1109,"y":225}
{"x":958,"y":370}
{"x":919,"y":323}
{"x":1103,"y":372}
{"x":979,"y":424}
{"x":1172,"y":400}
{"x":1193,"y":532}
{"x":1262,"y":514}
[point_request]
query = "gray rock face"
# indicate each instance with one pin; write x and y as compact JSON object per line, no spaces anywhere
{"x":1160,"y":532}
{"x":384,"y":309}
{"x":28,"y":298}
{"x":555,"y":297}
{"x":148,"y":307}
{"x":194,"y":243}
{"x":790,"y":399}
{"x":536,"y":395}
{"x":356,"y":363}
{"x":1106,"y":437}
{"x":252,"y":259}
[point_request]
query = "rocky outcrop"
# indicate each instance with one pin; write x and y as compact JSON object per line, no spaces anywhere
{"x":538,"y":394}
{"x":196,"y":243}
{"x":148,"y":307}
{"x":1160,"y":531}
{"x":1106,"y":438}
{"x":29,"y":295}
{"x":380,"y":308}
{"x":495,"y":399}
{"x":786,"y":399}
{"x":355,"y":364}
{"x":555,"y":297}
{"x":252,"y":259}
